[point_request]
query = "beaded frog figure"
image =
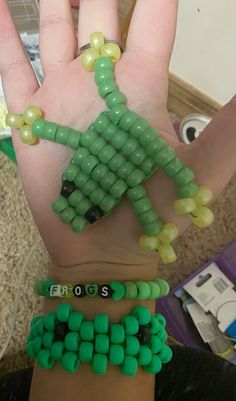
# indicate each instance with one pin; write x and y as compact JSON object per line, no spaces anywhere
{"x":113,"y":158}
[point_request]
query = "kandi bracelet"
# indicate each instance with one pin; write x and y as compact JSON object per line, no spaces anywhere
{"x":138,"y":340}
{"x":113,"y":158}
{"x":114,"y":290}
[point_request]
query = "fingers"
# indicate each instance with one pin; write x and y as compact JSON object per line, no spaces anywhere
{"x":98,"y":16}
{"x":58,"y":42}
{"x":18,"y":77}
{"x":153,"y":26}
{"x":214,"y":152}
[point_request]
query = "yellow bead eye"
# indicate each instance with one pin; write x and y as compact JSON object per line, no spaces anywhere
{"x":185,"y":206}
{"x":148,"y":243}
{"x":202,"y":217}
{"x":14,"y":120}
{"x":26,"y":135}
{"x":111,"y":50}
{"x":31,"y":114}
{"x":167,"y":253}
{"x":96,"y":40}
{"x":168,"y":233}
{"x":88,"y":58}
{"x":204,"y":196}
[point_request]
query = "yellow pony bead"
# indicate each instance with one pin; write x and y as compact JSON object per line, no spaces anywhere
{"x":111,"y":50}
{"x":148,"y":243}
{"x":202,"y":217}
{"x":96,"y":40}
{"x":204,"y":196}
{"x":185,"y":206}
{"x":14,"y":120}
{"x":88,"y":58}
{"x":167,"y":253}
{"x":168,"y":233}
{"x":26,"y":135}
{"x":31,"y":114}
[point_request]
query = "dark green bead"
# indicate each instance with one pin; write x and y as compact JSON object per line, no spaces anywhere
{"x":142,"y":205}
{"x":102,"y":343}
{"x":60,"y":204}
{"x":130,"y":366}
{"x":125,"y":170}
{"x":99,"y":364}
{"x":73,"y":139}
{"x":135,"y":178}
{"x":38,"y":128}
{"x":139,"y":126}
{"x":153,"y":228}
{"x":183,"y":177}
{"x":97,"y":196}
{"x":76,"y":197}
{"x":49,"y":321}
{"x":72,"y":341}
{"x":75,"y":321}
{"x":148,"y":217}
{"x":187,"y":191}
{"x":119,"y":290}
{"x":91,"y":290}
{"x":37,"y":344}
{"x":119,"y":139}
{"x":71,"y":172}
{"x":142,"y":314}
{"x":50,"y":131}
{"x":87,"y":331}
{"x":103,"y":75}
{"x":129,"y":146}
{"x":118,"y":189}
{"x":166,"y":354}
{"x":101,"y":122}
{"x":81,"y":179}
{"x":116,"y":161}
{"x":88,"y":137}
{"x":83,"y":206}
{"x":62,"y":135}
{"x":138,"y":156}
{"x":80,"y":155}
{"x":127,"y":120}
{"x":108,"y":203}
{"x":46,"y":287}
{"x":78,"y":224}
{"x":155,"y":365}
{"x":147,"y":136}
{"x":145,"y":355}
{"x":106,"y":154}
{"x":97,"y":145}
{"x":173,"y":167}
{"x":68,"y":215}
{"x":70,"y":362}
{"x":99,"y":172}
{"x":57,"y":350}
{"x":103,"y":62}
{"x":117,"y":333}
{"x":89,"y":163}
{"x":86,"y":350}
{"x":101,"y":323}
{"x":107,"y":87}
{"x":116,"y":355}
{"x":136,"y":193}
{"x":114,"y":99}
{"x":132,"y":345}
{"x":48,"y":339}
{"x":163,"y":157}
{"x":63,"y":312}
{"x":117,"y":112}
{"x":147,"y":166}
{"x":108,"y":180}
{"x":155,"y":146}
{"x":109,"y":132}
{"x":89,"y":187}
{"x":45,"y":360}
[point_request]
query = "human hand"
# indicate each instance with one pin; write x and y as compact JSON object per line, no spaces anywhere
{"x":69,"y":96}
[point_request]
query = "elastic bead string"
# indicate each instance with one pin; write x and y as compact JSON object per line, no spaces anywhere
{"x":113,"y":157}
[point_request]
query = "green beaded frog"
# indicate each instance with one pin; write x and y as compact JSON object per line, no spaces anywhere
{"x":113,"y":158}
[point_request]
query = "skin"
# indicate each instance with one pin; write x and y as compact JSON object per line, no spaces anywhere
{"x":109,"y":249}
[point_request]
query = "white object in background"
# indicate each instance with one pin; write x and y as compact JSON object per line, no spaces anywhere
{"x":5,"y":132}
{"x":192,"y":126}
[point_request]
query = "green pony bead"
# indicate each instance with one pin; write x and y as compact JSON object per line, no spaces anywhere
{"x":73,"y":139}
{"x":155,"y":290}
{"x":184,"y":177}
{"x":36,"y":318}
{"x":187,"y":191}
{"x":155,"y":146}
{"x":89,"y":187}
{"x":87,"y":331}
{"x":101,"y":323}
{"x":30,"y":351}
{"x":155,"y":365}
{"x":164,"y":287}
{"x":138,"y":156}
{"x":38,"y":290}
{"x":37,"y":344}
{"x":103,"y":75}
{"x":154,"y":325}
{"x":89,"y":163}
{"x":99,"y":364}
{"x":147,"y":166}
{"x":131,"y":290}
{"x":173,"y":167}
{"x":163,"y":157}
{"x":130,"y":324}
{"x":161,"y":319}
{"x":99,"y":172}
{"x":75,"y":321}
{"x":116,"y":355}
{"x":60,"y":204}
{"x":86,"y":350}
{"x":63,"y":312}
{"x":125,"y":170}
{"x":103,"y":62}
{"x":106,"y":154}
{"x":108,"y":203}
{"x":163,"y":336}
{"x":130,"y":366}
{"x":91,"y":290}
{"x":102,"y":344}
{"x":68,"y":215}
{"x":117,"y":334}
{"x":71,"y":172}
{"x":118,"y":290}
{"x":129,"y":146}
{"x":101,"y":122}
{"x":142,"y":314}
{"x":76,"y":197}
{"x":34,"y":332}
{"x":118,"y":189}
{"x":78,"y":224}
{"x":142,"y":205}
{"x":62,"y":134}
{"x":136,"y":193}
{"x":127,"y":120}
{"x":72,"y":341}
{"x":107,"y":87}
{"x":49,"y":321}
{"x":145,"y":355}
{"x":119,"y":139}
{"x":39,"y":327}
{"x":88,"y":138}
{"x":156,"y":344}
{"x":109,"y":132}
{"x":132,"y":345}
{"x":135,"y":178}
{"x":148,"y":217}
{"x":153,"y":228}
{"x":80,"y":155}
{"x":83,"y":206}
{"x":97,"y":196}
{"x":108,"y":180}
{"x":48,"y":339}
{"x":38,"y":128}
{"x":147,"y":136}
{"x":116,"y":161}
{"x":81,"y":179}
{"x":45,"y":360}
{"x":117,"y":112}
{"x":166,"y":354}
{"x":97,"y":145}
{"x":114,"y":99}
{"x":57,"y":350}
{"x":139,"y":126}
{"x":70,"y":362}
{"x":50,"y":131}
{"x":143,"y":290}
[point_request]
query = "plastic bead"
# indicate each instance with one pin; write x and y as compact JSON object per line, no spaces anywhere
{"x":99,"y":172}
{"x":96,"y":40}
{"x":78,"y":224}
{"x":106,"y":154}
{"x":118,"y":290}
{"x":80,"y":155}
{"x":72,"y":341}
{"x":131,"y":345}
{"x":136,"y":193}
{"x":107,"y":87}
{"x":63,"y":312}
{"x":101,"y":323}
{"x":163,"y":336}
{"x":91,"y":290}
{"x":50,"y":131}
{"x":153,"y":228}
{"x":138,"y":156}
{"x":143,"y":290}
{"x":105,"y":291}
{"x":45,"y":359}
{"x":155,"y":326}
{"x":166,"y":354}
{"x":117,"y":334}
{"x":145,"y":355}
{"x":97,"y":145}
{"x":38,"y":128}
{"x":83,"y":206}
{"x":168,"y":233}
{"x":14,"y":120}
{"x":108,"y":180}
{"x":187,"y":191}
{"x":61,"y":330}
{"x":73,"y":139}
{"x":129,"y":146}
{"x":148,"y":135}
{"x":164,"y":287}
{"x":116,"y":355}
{"x":127,"y":120}
{"x":87,"y":331}
{"x":94,"y":214}
{"x":88,"y":138}
{"x":131,"y":290}
{"x":49,"y":321}
{"x":142,"y":314}
{"x":111,"y":50}
{"x":103,"y":62}
{"x":165,"y":156}
{"x":89,"y":163}
{"x":202,"y":217}
{"x":161,"y":319}
{"x":71,"y":172}
{"x":142,"y":205}
{"x":86,"y":350}
{"x":104,"y":75}
{"x":203,"y":196}
{"x":118,"y":140}
{"x":183,"y":177}
{"x":81,"y":179}
{"x":130,"y":366}
{"x":148,"y":217}
{"x":173,"y":167}
{"x":88,"y":58}
{"x":156,"y":344}
{"x":62,"y":135}
{"x":144,"y":335}
{"x":68,"y":215}
{"x":79,"y":291}
{"x":70,"y":362}
{"x":138,"y":127}
{"x":99,"y":364}
{"x":108,"y":203}
{"x":75,"y":321}
{"x":130,"y":324}
{"x":31,"y":114}
{"x":147,"y":166}
{"x":118,"y":189}
{"x":40,"y":327}
{"x":155,"y":146}
{"x":155,"y":366}
{"x":117,"y":112}
{"x":27,"y":136}
{"x":97,"y":196}
{"x":37,"y":343}
{"x":36,"y":318}
{"x":102,"y":343}
{"x":135,"y":178}
{"x":67,"y":188}
{"x":125,"y":170}
{"x":115,"y":98}
{"x":167,"y":253}
{"x":116,"y":161}
{"x":57,"y":350}
{"x":75,"y":197}
{"x":109,"y":132}
{"x":185,"y":206}
{"x":46,"y":287}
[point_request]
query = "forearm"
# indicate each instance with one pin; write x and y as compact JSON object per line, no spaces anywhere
{"x":61,"y":386}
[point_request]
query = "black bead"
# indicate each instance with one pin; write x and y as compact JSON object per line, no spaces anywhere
{"x":79,"y":290}
{"x":61,"y":330}
{"x":105,"y":291}
{"x":67,"y":188}
{"x":144,"y":335}
{"x":94,"y":214}
{"x":191,"y":134}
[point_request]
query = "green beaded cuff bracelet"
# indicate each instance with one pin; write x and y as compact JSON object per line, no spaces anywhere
{"x":138,"y":340}
{"x":114,"y":290}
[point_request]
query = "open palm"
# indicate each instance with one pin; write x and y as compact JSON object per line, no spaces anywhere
{"x":69,"y":96}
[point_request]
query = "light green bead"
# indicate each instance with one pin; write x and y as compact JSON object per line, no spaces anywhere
{"x":116,"y":161}
{"x":139,"y":126}
{"x":183,"y":177}
{"x":38,"y":128}
{"x":118,"y":290}
{"x":165,"y":156}
{"x":70,"y":362}
{"x":136,"y":193}
{"x":106,"y":154}
{"x":202,"y":217}
{"x":76,"y":197}
{"x":108,"y":203}
{"x":73,"y":139}
{"x":114,"y":99}
{"x":96,"y":40}
{"x":62,"y":134}
{"x":155,"y":290}
{"x":89,"y":163}
{"x":45,"y":360}
{"x":81,"y":179}
{"x":57,"y":350}
{"x":31,"y":114}
{"x":164,"y":287}
{"x":107,"y":87}
{"x":97,"y":145}
{"x":117,"y":112}
{"x":50,"y":131}
{"x":166,"y":354}
{"x":117,"y":333}
{"x":88,"y":137}
{"x":155,"y":326}
{"x":148,"y":217}
{"x":116,"y":355}
{"x":147,"y":166}
{"x":138,"y":156}
{"x":89,"y":187}
{"x":130,"y":324}
{"x":187,"y":191}
{"x":161,"y":319}
{"x":83,"y":206}
{"x":60,"y":204}
{"x":173,"y":167}
{"x":143,"y":290}
{"x":155,"y":365}
{"x":108,"y":180}
{"x":127,"y":120}
{"x":203,"y":196}
{"x":103,"y":75}
{"x":97,"y":196}
{"x":185,"y":206}
{"x":78,"y":224}
{"x":155,"y":146}
{"x":119,"y":138}
{"x":131,"y":290}
{"x":147,"y":136}
{"x":71,"y":172}
{"x":125,"y":170}
{"x":153,"y":228}
{"x":99,"y":364}
{"x":156,"y":344}
{"x":130,"y":366}
{"x":109,"y":132}
{"x":142,"y":205}
{"x":80,"y":155}
{"x":118,"y":189}
{"x":103,"y":62}
{"x":142,"y":314}
{"x":129,"y":146}
{"x":132,"y":345}
{"x":135,"y":178}
{"x":68,"y":215}
{"x":99,"y":172}
{"x":27,"y":136}
{"x":14,"y":120}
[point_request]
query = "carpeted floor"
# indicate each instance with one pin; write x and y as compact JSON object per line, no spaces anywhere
{"x":18,"y":234}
